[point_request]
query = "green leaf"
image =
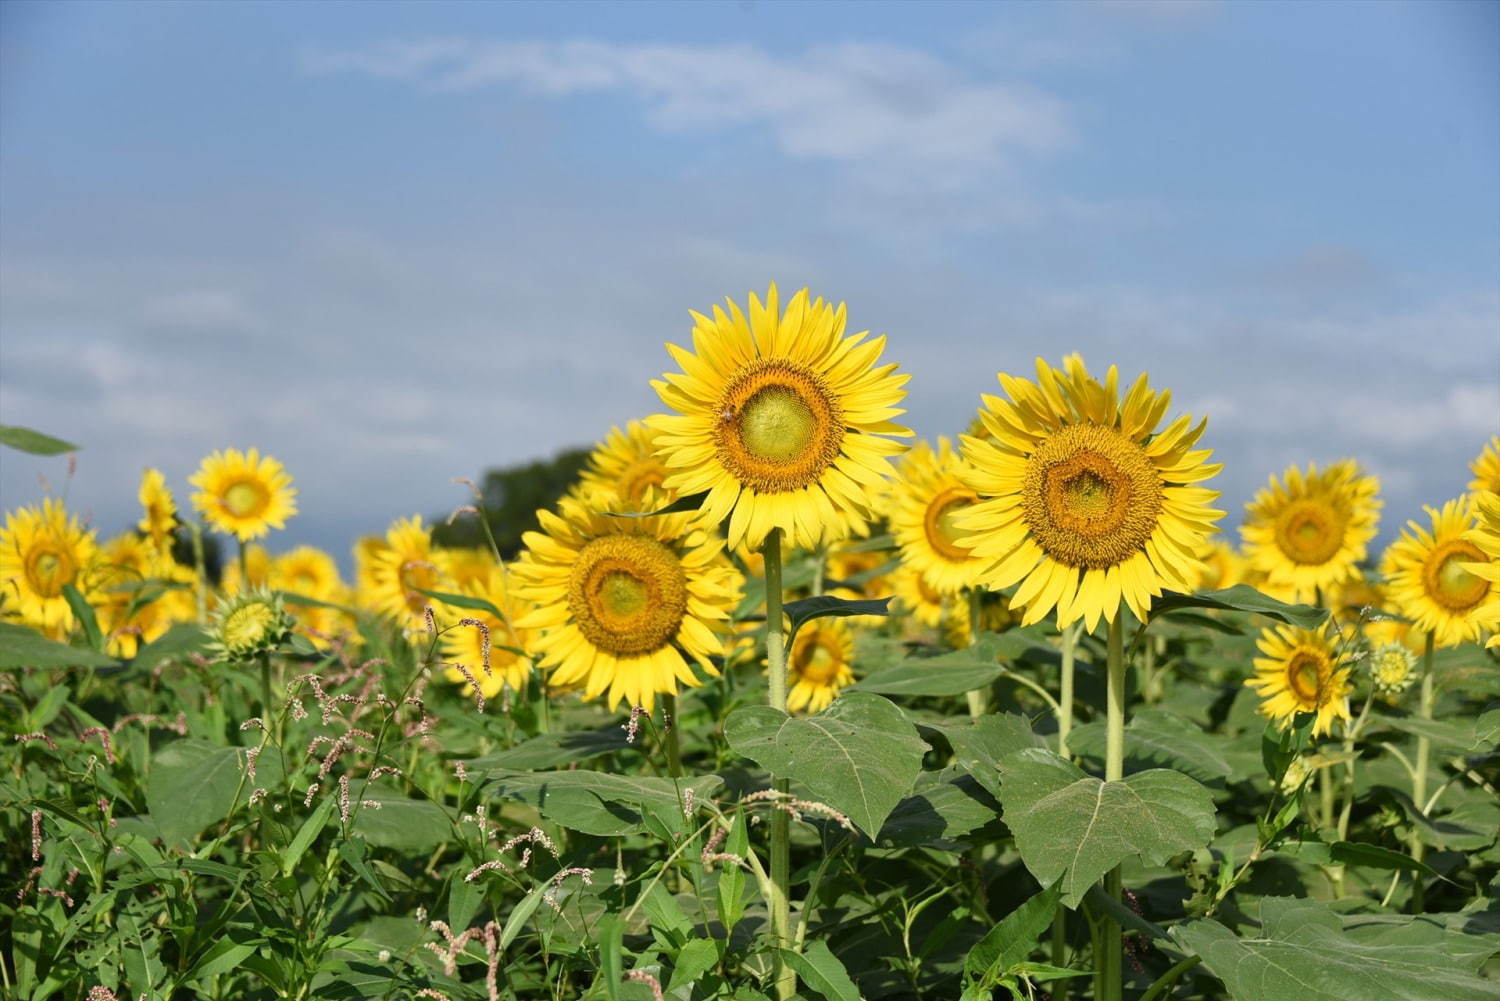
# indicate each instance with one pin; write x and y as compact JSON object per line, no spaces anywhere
{"x":551,"y":750}
{"x":1303,"y":953}
{"x":354,"y":852}
{"x":1241,"y":598}
{"x":693,"y":960}
{"x":1353,"y":853}
{"x":948,"y":674}
{"x":860,"y":755}
{"x":221,"y":957}
{"x":464,"y":898}
{"x":181,"y":641}
{"x":1156,"y":737}
{"x":731,"y":890}
{"x":28,"y":440}
{"x":310,"y":829}
{"x":611,"y":931}
{"x":84,"y":613}
{"x":979,"y":746}
{"x":522,"y":912}
{"x":823,"y":605}
{"x":1011,"y":941}
{"x":21,"y":646}
{"x":464,"y":601}
{"x":1072,"y":827}
{"x":400,"y":821}
{"x":598,"y":802}
{"x":690,"y":502}
{"x":192,"y":785}
{"x":822,"y":972}
{"x":943,"y":805}
{"x":1454,"y":736}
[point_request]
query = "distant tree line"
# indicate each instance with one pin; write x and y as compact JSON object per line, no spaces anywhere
{"x":511,"y":497}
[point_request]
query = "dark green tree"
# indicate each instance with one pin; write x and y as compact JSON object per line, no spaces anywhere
{"x":511,"y":497}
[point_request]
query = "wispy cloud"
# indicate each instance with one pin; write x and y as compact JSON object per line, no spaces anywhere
{"x":876,"y":106}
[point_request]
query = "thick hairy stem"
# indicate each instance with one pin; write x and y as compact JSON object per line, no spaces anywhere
{"x":669,"y":734}
{"x":976,"y":696}
{"x":1419,"y":779}
{"x":1064,"y":727}
{"x":1109,"y":961}
{"x":781,"y":848}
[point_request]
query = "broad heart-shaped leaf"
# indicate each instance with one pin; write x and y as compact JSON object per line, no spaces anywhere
{"x":979,"y":746}
{"x":598,"y":802}
{"x":860,"y":755}
{"x":24,"y":647}
{"x":399,"y":821}
{"x":556,"y":749}
{"x":1461,"y":735}
{"x":1072,"y":827}
{"x":192,"y":784}
{"x":1304,"y":953}
{"x":948,"y":674}
{"x":1159,"y":738}
{"x":942,"y":806}
{"x":1241,"y":598}
{"x":182,"y":640}
{"x":27,"y":440}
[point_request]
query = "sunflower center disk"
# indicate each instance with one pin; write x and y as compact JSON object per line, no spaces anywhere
{"x":818,"y":664}
{"x":1310,"y":532}
{"x":780,"y":427}
{"x":628,"y":594}
{"x":1448,"y":583}
{"x":49,"y":571}
{"x":245,"y":499}
{"x":938,"y":522}
{"x":1304,"y":675}
{"x":1091,"y":496}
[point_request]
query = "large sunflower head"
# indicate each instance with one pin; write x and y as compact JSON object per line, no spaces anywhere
{"x":42,"y":551}
{"x":625,"y":469}
{"x":1301,"y":671}
{"x":1430,"y":576}
{"x":244,"y":494}
{"x":401,"y":570}
{"x":819,"y":665}
{"x":159,"y":509}
{"x":620,"y":601}
{"x":1486,"y":468}
{"x":928,"y":495}
{"x":781,"y":419}
{"x":1307,"y":533}
{"x":1084,"y":504}
{"x":504,"y":662}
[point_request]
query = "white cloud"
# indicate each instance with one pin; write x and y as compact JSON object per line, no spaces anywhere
{"x":881,"y":108}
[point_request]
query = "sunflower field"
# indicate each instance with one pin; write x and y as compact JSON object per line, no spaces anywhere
{"x":775,"y":702}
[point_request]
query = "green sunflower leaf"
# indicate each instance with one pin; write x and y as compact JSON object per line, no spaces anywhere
{"x":21,"y":646}
{"x":1241,"y":598}
{"x":820,"y":606}
{"x":28,"y":440}
{"x":464,"y":601}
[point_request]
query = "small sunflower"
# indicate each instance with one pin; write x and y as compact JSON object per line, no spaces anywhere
{"x":243,"y":494}
{"x":42,"y":551}
{"x":621,"y":600}
{"x":1309,"y":534}
{"x":1301,"y":672}
{"x":309,"y":572}
{"x":502,"y":666}
{"x":140,"y":591}
{"x":624,"y":467}
{"x":1486,"y":468}
{"x":466,"y":565}
{"x":159,"y":507}
{"x":1393,"y":668}
{"x":1222,"y":565}
{"x":857,"y":572}
{"x":928,"y":495}
{"x":248,"y":624}
{"x":916,"y":597}
{"x":781,"y":419}
{"x":1084,"y":504}
{"x":1431,"y":580}
{"x":819,"y":665}
{"x":401,"y":570}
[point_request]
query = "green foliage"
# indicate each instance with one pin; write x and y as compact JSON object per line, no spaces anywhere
{"x":27,"y":440}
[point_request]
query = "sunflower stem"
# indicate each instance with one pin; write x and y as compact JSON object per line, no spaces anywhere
{"x":1065,"y":688}
{"x":976,"y":695}
{"x":781,"y":848}
{"x":200,"y":582}
{"x":1419,"y":778}
{"x":244,"y":566}
{"x":1109,"y":961}
{"x":669,"y":734}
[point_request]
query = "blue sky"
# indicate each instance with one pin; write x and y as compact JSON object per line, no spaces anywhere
{"x":393,"y":244}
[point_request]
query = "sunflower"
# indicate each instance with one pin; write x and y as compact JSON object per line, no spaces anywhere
{"x":42,"y":551}
{"x":309,"y":572}
{"x":622,"y":599}
{"x":141,"y":592}
{"x":160,"y":509}
{"x":401,"y":570}
{"x":243,"y":494}
{"x":466,"y":565}
{"x":1431,"y":578}
{"x":781,"y":419}
{"x":626,"y":468}
{"x":505,"y":664}
{"x":918,"y":598}
{"x":1487,"y":537}
{"x":251,"y":623}
{"x":928,"y":495}
{"x":1301,"y":672}
{"x":858,"y":573}
{"x":1083,"y":504}
{"x":1393,"y":668}
{"x":1222,"y":566}
{"x":1486,"y":468}
{"x":819,"y":665}
{"x":1308,"y":535}
{"x":366,"y":549}
{"x":995,"y":616}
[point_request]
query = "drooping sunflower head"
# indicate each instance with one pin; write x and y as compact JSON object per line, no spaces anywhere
{"x":159,"y":518}
{"x":249,"y":624}
{"x":928,"y":495}
{"x":781,"y":419}
{"x":505,"y":662}
{"x":244,"y":494}
{"x":1393,"y":668}
{"x":819,"y":665}
{"x":42,"y":551}
{"x":1486,"y":468}
{"x":1306,"y":532}
{"x":1083,"y":503}
{"x":1301,"y":671}
{"x":623,"y":603}
{"x":625,"y":469}
{"x":1430,"y":576}
{"x":401,"y":570}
